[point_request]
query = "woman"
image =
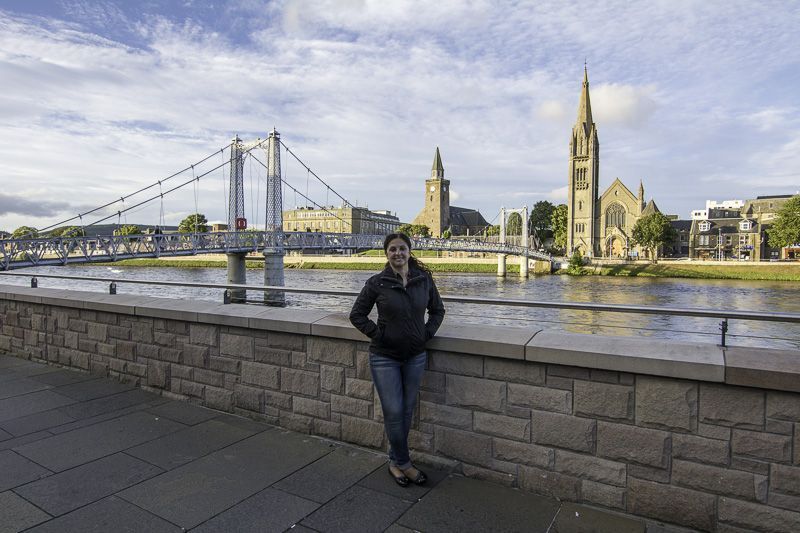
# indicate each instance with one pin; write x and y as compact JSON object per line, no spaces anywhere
{"x":397,"y":357}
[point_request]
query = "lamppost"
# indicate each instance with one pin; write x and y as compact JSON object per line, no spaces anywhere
{"x":720,"y":255}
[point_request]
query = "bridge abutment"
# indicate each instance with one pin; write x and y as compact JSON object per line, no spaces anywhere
{"x":523,"y":266}
{"x":501,"y":265}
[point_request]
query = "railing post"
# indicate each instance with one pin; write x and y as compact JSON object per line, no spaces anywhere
{"x":723,"y":328}
{"x":226,"y":296}
{"x":34,"y":282}
{"x":112,"y":288}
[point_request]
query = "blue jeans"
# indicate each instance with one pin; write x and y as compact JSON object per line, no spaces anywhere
{"x":397,"y":383}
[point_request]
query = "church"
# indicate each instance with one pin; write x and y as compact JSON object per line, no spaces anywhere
{"x":439,"y":215}
{"x":598,"y":225}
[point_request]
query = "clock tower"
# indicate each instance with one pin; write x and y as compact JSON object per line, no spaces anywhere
{"x":436,"y":213}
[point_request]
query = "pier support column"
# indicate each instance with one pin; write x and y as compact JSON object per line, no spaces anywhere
{"x":237,"y":273}
{"x":523,"y":266}
{"x":501,"y":265}
{"x":273,"y":276}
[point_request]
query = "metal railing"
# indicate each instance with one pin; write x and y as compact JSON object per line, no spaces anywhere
{"x":22,"y":253}
{"x":723,"y":314}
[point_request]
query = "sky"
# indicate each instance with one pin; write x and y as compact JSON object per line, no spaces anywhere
{"x":698,"y":99}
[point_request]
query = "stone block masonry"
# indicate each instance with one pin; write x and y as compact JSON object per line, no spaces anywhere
{"x":614,"y":423}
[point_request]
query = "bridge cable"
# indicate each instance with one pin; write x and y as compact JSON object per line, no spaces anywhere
{"x":81,"y":215}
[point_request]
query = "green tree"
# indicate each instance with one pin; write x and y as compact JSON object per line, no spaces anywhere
{"x":196,"y":222}
{"x":25,"y":232}
{"x":493,"y":230}
{"x":415,"y":230}
{"x":128,"y":229}
{"x":651,"y":232}
{"x":447,"y":234}
{"x":541,"y":219}
{"x":558,"y":221}
{"x":69,"y":231}
{"x":575,"y":267}
{"x":785,"y":230}
{"x":514,"y":224}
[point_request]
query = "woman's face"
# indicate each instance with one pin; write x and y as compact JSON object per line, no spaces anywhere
{"x":397,"y":253}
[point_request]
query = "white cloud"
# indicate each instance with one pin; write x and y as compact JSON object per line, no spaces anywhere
{"x":628,"y":105}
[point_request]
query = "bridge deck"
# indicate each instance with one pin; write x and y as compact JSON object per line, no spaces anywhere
{"x":23,"y":253}
{"x":82,"y":453}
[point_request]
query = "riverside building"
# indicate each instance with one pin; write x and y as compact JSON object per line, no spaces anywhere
{"x":340,"y":220}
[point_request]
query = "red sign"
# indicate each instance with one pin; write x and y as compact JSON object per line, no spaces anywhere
{"x":241,"y":223}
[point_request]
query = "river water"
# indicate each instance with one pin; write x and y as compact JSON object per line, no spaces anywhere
{"x":660,"y":292}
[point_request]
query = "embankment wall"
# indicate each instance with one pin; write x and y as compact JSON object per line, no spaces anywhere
{"x":692,"y":434}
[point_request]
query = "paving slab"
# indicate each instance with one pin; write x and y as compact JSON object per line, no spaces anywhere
{"x":268,"y":510}
{"x":84,"y":422}
{"x":183,"y":412}
{"x":462,"y":504}
{"x":332,"y":474}
{"x":575,"y":518}
{"x":5,"y":435}
{"x":31,"y":372}
{"x":110,"y":514}
{"x":16,"y":470}
{"x":24,"y":439}
{"x":65,"y":492}
{"x":35,"y":402}
{"x":183,"y":446}
{"x":195,"y":492}
{"x":36,"y":422}
{"x":96,"y":388}
{"x":358,"y":509}
{"x":107,"y":404}
{"x":16,"y":514}
{"x":20,"y":386}
{"x":59,"y":377}
{"x":80,"y":446}
{"x":380,"y":481}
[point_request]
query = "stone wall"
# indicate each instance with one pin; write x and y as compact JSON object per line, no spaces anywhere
{"x":683,"y":433}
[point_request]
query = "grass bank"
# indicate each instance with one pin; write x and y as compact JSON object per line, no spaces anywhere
{"x":771,"y":272}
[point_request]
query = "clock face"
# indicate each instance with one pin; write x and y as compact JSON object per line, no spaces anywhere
{"x":433,"y":188}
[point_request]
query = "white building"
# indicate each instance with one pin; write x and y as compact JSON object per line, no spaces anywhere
{"x":702,"y":214}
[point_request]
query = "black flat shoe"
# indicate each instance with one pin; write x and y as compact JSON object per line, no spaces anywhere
{"x":401,"y":480}
{"x":421,"y":478}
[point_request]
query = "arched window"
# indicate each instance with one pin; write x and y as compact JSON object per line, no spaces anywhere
{"x":615,"y":216}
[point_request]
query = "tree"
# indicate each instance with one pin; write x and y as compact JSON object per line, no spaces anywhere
{"x":541,"y":219}
{"x":493,"y":230}
{"x":128,"y":229}
{"x":415,"y":230}
{"x":194,"y":223}
{"x":651,"y":232}
{"x":447,"y":234}
{"x":785,"y":230}
{"x":25,"y":232}
{"x":514,"y":224}
{"x":558,"y":221}
{"x":575,"y":267}
{"x":69,"y":231}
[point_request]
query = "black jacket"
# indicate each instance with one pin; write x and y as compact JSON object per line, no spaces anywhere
{"x":401,"y":331}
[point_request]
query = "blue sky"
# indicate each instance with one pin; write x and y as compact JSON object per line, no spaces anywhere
{"x":697,"y":99}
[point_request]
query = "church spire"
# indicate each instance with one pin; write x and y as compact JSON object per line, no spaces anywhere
{"x":641,"y":194}
{"x":437,"y":171}
{"x":585,"y":106}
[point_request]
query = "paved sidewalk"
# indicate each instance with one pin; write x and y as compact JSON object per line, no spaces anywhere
{"x":87,"y":454}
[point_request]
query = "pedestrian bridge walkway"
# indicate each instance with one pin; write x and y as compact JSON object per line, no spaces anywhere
{"x":80,"y":453}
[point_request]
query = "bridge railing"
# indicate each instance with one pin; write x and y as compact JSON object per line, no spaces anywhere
{"x":21,"y":253}
{"x":724,"y":315}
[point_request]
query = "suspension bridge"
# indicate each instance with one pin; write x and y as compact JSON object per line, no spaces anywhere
{"x":238,"y":240}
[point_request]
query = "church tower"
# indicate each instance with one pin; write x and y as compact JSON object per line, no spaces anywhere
{"x":584,"y":171}
{"x":436,"y":213}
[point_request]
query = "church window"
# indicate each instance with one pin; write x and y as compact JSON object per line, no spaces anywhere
{"x":580,"y":179}
{"x":615,"y":216}
{"x":580,"y":205}
{"x":580,"y":227}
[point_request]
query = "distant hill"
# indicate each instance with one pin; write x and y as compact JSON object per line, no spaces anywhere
{"x":108,"y":229}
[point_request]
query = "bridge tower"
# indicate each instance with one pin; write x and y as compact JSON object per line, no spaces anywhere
{"x":273,"y":228}
{"x":501,"y":258}
{"x":237,"y":270}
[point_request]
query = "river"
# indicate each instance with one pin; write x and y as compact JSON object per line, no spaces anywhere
{"x":691,"y":293}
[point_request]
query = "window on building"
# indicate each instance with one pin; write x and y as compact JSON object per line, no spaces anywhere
{"x":615,"y":216}
{"x":705,"y":225}
{"x":745,"y":225}
{"x":702,"y":240}
{"x":728,"y":239}
{"x":744,"y":239}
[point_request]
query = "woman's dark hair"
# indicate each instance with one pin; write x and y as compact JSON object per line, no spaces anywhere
{"x":413,"y":261}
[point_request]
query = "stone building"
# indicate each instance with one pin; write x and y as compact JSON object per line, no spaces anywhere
{"x":598,"y":225}
{"x":739,"y":233}
{"x":340,"y":220}
{"x":438,"y":214}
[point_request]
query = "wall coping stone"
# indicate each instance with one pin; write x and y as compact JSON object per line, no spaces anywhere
{"x":660,"y":357}
{"x":745,"y":366}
